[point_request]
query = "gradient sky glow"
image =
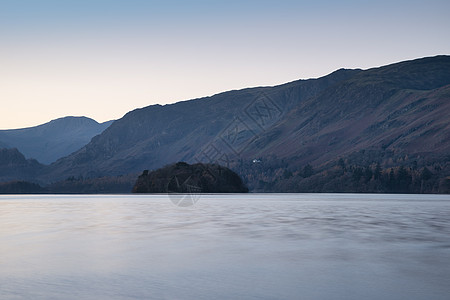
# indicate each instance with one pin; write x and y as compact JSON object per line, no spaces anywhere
{"x":103,"y":58}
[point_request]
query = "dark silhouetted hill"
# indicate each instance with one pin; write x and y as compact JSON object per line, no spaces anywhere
{"x":184,"y":178}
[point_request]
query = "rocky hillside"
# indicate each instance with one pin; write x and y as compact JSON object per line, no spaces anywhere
{"x":402,"y":108}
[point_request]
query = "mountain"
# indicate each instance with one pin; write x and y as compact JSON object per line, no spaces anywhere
{"x":156,"y":135}
{"x":384,"y":129}
{"x":400,"y":107}
{"x":14,"y":166}
{"x":53,"y":140}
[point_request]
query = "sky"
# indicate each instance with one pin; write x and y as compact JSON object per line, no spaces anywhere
{"x":103,"y":58}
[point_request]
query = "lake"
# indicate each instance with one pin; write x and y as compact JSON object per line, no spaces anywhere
{"x":253,"y":246}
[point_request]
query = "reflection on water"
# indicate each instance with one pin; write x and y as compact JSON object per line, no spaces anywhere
{"x":282,"y":246}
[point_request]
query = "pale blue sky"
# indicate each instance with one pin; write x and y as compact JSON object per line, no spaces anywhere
{"x":102,"y":58}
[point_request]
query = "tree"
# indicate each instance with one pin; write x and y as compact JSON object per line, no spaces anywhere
{"x":308,"y":171}
{"x":357,"y":173}
{"x":403,"y":179}
{"x":426,"y":174}
{"x":377,"y":172}
{"x":391,"y":182}
{"x":367,"y":173}
{"x":287,"y":174}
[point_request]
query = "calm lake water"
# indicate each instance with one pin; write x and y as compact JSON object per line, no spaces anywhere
{"x":255,"y":246}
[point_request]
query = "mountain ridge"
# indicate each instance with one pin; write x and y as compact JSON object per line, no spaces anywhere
{"x":381,"y":118}
{"x":142,"y":127}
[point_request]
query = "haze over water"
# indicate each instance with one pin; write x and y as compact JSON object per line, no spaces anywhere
{"x":272,"y":246}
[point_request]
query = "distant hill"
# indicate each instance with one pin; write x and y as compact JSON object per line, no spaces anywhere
{"x":383,"y":129}
{"x":14,"y":166}
{"x":53,"y":140}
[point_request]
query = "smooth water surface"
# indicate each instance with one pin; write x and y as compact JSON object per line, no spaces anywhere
{"x":255,"y":246}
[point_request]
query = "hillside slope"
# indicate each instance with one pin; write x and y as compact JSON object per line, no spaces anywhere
{"x":402,"y":107}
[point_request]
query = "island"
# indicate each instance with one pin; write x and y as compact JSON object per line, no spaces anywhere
{"x":182,"y":177}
